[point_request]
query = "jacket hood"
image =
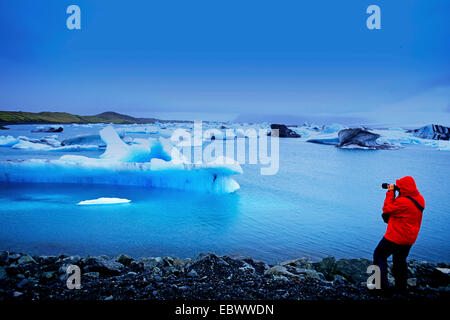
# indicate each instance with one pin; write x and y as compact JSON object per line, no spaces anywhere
{"x":407,"y":186}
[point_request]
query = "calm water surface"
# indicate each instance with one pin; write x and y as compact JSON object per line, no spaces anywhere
{"x":324,"y":201}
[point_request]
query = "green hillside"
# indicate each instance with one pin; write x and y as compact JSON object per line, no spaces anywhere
{"x":19,"y":117}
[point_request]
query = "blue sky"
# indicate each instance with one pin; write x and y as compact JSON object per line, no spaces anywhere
{"x":261,"y":60}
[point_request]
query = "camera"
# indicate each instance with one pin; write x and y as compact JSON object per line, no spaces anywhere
{"x":386,"y":185}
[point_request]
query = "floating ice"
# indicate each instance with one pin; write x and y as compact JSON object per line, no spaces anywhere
{"x":103,"y":201}
{"x":120,"y":165}
{"x":432,"y":131}
{"x":356,"y":138}
{"x":28,"y":145}
{"x":51,"y":140}
{"x":443,"y":145}
{"x":157,"y":173}
{"x":131,"y":129}
{"x":239,"y":133}
{"x":8,"y":141}
{"x":75,"y":147}
{"x":45,"y":144}
{"x":89,"y":139}
{"x":331,"y":140}
{"x":333,"y":128}
{"x":53,"y":128}
{"x":322,"y":135}
{"x":115,"y":147}
{"x":140,"y":150}
{"x":395,"y":137}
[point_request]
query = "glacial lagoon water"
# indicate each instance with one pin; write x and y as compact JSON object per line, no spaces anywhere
{"x":323,"y":201}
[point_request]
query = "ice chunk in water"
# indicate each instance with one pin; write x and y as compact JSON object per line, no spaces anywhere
{"x":103,"y":201}
{"x":120,"y":165}
{"x":8,"y":141}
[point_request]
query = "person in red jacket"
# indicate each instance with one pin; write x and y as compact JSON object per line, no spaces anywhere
{"x":404,"y":214}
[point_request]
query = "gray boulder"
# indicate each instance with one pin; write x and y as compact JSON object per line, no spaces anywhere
{"x":277,"y":270}
{"x":103,"y":265}
{"x":124,"y":259}
{"x":309,"y":273}
{"x":327,"y":267}
{"x":150,"y":263}
{"x":300,"y":262}
{"x":70,"y":260}
{"x":26,"y":259}
{"x":354,"y":270}
{"x":212,"y":266}
{"x":428,"y":274}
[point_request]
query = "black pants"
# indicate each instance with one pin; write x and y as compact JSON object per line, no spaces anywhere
{"x":399,"y":253}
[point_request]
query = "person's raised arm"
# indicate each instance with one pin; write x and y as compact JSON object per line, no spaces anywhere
{"x":392,"y":205}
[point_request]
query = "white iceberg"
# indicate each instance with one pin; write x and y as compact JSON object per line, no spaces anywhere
{"x":401,"y":137}
{"x":76,"y":148}
{"x":443,"y":145}
{"x":140,"y":150}
{"x":52,"y":128}
{"x":395,"y":137}
{"x":432,"y":131}
{"x":119,"y":165}
{"x":334,"y":128}
{"x":103,"y":201}
{"x":132,"y":129}
{"x":28,"y":145}
{"x":8,"y":141}
{"x":24,"y":143}
{"x":88,"y":139}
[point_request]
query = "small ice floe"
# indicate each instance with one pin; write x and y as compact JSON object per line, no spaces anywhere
{"x":103,"y":201}
{"x":55,"y":128}
{"x":8,"y":141}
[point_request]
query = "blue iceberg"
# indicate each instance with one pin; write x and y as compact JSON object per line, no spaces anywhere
{"x":147,"y":162}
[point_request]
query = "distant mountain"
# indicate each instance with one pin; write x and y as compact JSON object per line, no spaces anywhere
{"x":19,"y":117}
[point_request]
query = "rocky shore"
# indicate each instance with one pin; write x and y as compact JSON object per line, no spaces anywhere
{"x":25,"y":277}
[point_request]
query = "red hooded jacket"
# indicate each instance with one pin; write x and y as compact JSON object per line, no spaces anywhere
{"x":404,"y":217}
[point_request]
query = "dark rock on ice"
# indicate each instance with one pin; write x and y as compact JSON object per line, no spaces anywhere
{"x":48,"y":129}
{"x":284,"y":132}
{"x":432,"y":131}
{"x":360,"y":138}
